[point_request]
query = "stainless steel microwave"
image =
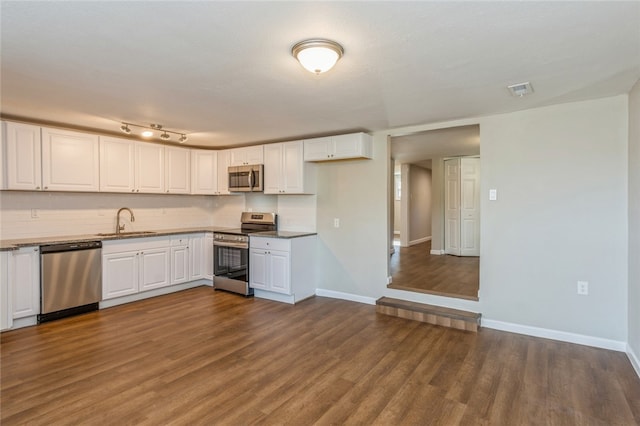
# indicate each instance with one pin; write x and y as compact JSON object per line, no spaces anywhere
{"x":246,"y":178}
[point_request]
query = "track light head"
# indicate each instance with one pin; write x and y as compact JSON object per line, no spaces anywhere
{"x":183,"y":138}
{"x":125,"y":128}
{"x":165,"y":136}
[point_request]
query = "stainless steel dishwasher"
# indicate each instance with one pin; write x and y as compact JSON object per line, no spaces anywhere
{"x":70,"y":279}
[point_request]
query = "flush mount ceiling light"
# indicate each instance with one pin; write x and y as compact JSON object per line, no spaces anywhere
{"x":317,"y":55}
{"x":521,"y":89}
{"x":149,"y":131}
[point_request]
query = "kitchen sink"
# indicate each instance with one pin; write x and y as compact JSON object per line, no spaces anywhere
{"x":125,"y":234}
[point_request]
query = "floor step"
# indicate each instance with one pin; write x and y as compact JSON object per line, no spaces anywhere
{"x":438,"y":315}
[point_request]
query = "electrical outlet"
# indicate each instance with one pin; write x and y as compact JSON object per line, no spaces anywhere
{"x":34,"y":213}
{"x":336,"y":222}
{"x":583,"y":288}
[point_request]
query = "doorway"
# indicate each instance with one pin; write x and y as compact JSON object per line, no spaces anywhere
{"x":442,"y":258}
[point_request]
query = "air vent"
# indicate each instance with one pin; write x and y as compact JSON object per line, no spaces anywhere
{"x":521,"y":89}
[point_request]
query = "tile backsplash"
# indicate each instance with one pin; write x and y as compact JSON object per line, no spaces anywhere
{"x":25,"y":214}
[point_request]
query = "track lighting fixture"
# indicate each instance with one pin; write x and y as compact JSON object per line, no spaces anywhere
{"x":149,"y":131}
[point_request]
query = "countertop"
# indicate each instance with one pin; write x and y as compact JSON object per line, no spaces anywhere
{"x":282,"y":234}
{"x":8,"y":245}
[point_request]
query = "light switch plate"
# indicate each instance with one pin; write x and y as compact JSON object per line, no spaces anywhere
{"x":493,"y":194}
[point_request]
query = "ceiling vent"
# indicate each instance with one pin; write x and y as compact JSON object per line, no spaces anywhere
{"x":521,"y":89}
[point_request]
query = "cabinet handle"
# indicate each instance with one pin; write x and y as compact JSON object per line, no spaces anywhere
{"x":46,"y":187}
{"x":37,"y":187}
{"x":35,"y":249}
{"x":133,"y":190}
{"x":167,"y":191}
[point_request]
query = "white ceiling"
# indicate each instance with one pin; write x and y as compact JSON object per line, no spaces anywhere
{"x":222,"y":71}
{"x":420,"y":148}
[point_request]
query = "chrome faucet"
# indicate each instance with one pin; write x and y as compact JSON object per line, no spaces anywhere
{"x":121,"y":227}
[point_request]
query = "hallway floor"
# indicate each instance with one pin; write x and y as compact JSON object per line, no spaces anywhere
{"x":415,"y":269}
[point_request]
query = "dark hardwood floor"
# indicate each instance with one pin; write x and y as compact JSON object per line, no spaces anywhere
{"x":415,"y":269}
{"x":201,"y":357}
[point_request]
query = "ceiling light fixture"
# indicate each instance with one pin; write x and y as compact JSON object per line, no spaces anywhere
{"x":521,"y":89}
{"x":317,"y":55}
{"x":148,"y":131}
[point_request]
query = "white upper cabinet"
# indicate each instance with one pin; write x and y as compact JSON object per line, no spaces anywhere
{"x":224,"y":161}
{"x":70,"y":161}
{"x":23,"y":156}
{"x":149,"y":170}
{"x":340,"y":147}
{"x":285,"y":171}
{"x":247,"y":155}
{"x":204,"y":172}
{"x":177,"y":171}
{"x":117,"y":165}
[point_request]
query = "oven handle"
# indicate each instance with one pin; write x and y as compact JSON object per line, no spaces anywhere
{"x":234,"y":245}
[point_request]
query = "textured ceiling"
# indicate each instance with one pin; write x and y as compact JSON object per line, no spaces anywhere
{"x":222,"y":71}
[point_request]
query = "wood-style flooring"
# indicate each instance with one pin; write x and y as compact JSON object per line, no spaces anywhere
{"x":200,"y":357}
{"x":415,"y":269}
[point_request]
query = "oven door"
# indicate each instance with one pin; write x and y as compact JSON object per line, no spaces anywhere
{"x":231,"y":260}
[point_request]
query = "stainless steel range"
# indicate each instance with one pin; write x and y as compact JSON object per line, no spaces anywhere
{"x":231,"y":252}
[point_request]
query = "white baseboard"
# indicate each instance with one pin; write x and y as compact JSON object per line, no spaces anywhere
{"x":418,"y":241}
{"x":562,"y":336}
{"x":345,"y":296}
{"x":437,"y":252}
{"x":635,"y":361}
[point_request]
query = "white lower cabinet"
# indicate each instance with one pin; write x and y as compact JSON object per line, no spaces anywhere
{"x":139,"y":265}
{"x":179,"y":260}
{"x":133,"y":266}
{"x":208,"y":256}
{"x":283,"y":269}
{"x":6,"y":316}
{"x":196,"y":257}
{"x":24,"y":282}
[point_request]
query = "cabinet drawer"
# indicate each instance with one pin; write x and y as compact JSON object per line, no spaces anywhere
{"x":270,"y":243}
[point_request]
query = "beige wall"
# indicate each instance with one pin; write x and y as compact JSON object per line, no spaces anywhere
{"x":419,"y":203}
{"x":634,"y":223}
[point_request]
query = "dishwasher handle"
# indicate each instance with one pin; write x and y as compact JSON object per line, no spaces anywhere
{"x":57,"y":248}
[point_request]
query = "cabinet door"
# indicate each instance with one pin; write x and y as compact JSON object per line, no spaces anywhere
{"x":177,"y":170}
{"x":70,"y":161}
{"x":117,"y":165}
{"x":23,"y":162}
{"x":6,"y":312}
{"x":317,"y":149}
{"x":352,"y":145}
{"x":149,"y":170}
{"x":273,"y":168}
{"x":255,"y":154}
{"x":279,"y":267}
{"x":24,"y":281}
{"x":154,"y":268}
{"x":119,"y":274}
{"x":196,"y":258}
{"x":224,"y":161}
{"x":258,"y":277}
{"x":204,"y":172}
{"x":179,"y":264}
{"x":292,"y":168}
{"x":247,"y":155}
{"x":208,"y":256}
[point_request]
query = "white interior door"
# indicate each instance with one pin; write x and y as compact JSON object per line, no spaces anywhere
{"x":452,"y":206}
{"x":470,"y":206}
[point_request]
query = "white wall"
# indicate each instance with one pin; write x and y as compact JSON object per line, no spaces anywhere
{"x":419,"y":203}
{"x":634,"y":222}
{"x":353,"y":258}
{"x":561,"y":216}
